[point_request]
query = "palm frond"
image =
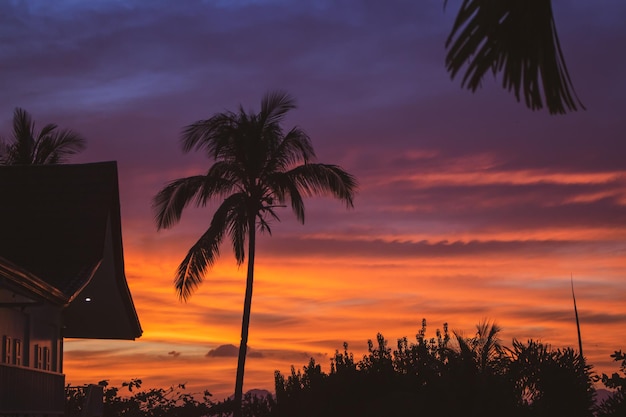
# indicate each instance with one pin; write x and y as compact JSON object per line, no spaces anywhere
{"x":517,"y":38}
{"x":297,"y":203}
{"x":274,"y":106}
{"x":49,"y":146}
{"x":284,"y":187}
{"x":172,"y":199}
{"x":22,"y":148}
{"x":169,"y":203}
{"x":293,"y":149}
{"x":237,"y":220}
{"x":46,"y":130}
{"x":201,"y":255}
{"x":264,"y":225}
{"x":488,"y":342}
{"x":55,"y":147}
{"x":324,"y":179}
{"x":222,"y":178}
{"x":465,"y":348}
{"x":211,"y":135}
{"x":205,"y":251}
{"x":23,"y":125}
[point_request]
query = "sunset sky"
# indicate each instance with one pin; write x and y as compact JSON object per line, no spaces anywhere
{"x":470,"y":206}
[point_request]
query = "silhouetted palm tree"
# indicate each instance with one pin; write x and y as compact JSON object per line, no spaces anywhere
{"x":485,"y":347}
{"x":518,"y":39}
{"x":49,"y":146}
{"x":258,"y":167}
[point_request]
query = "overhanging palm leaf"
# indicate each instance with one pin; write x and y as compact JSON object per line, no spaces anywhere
{"x":517,"y":38}
{"x":257,"y":167}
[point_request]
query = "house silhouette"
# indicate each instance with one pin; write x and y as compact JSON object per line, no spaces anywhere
{"x":61,"y":276}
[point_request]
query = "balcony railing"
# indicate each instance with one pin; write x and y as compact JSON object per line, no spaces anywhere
{"x":30,"y":391}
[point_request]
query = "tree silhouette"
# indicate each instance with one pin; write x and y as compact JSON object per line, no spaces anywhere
{"x":518,"y":39}
{"x":49,"y":146}
{"x":484,"y":348}
{"x":551,"y":381}
{"x":615,"y":404}
{"x":257,"y":168}
{"x":446,"y":376}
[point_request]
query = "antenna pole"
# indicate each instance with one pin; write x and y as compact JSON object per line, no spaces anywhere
{"x":580,"y":340}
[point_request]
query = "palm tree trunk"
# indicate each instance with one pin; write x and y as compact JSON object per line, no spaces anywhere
{"x":245,"y":322}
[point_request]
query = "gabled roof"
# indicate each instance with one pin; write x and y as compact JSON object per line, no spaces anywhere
{"x":62,"y":224}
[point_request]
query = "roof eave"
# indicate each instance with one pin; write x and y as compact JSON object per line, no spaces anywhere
{"x":23,"y":280}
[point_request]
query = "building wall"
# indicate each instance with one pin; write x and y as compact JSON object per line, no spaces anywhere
{"x":45,"y":338}
{"x":31,"y":333}
{"x":14,"y":332}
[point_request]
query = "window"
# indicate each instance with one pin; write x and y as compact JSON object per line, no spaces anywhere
{"x":46,"y":359}
{"x":17,"y":352}
{"x":38,"y":357}
{"x":6,"y":349}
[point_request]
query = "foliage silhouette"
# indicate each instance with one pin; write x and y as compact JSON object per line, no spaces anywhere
{"x":159,"y":402}
{"x":155,"y":402}
{"x":446,"y":376}
{"x":551,"y":382}
{"x":27,"y":147}
{"x":615,"y":405}
{"x":435,"y":376}
{"x":518,"y":39}
{"x":257,"y":168}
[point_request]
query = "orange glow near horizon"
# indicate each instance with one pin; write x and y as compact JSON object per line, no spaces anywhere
{"x":345,"y":276}
{"x":308,"y":305}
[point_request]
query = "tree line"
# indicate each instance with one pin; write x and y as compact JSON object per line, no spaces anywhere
{"x":445,"y":375}
{"x":450,"y":375}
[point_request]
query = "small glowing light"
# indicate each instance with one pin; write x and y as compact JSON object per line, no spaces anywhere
{"x":88,"y":299}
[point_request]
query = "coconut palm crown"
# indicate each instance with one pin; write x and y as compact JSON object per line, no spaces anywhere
{"x":257,"y":168}
{"x":27,"y":147}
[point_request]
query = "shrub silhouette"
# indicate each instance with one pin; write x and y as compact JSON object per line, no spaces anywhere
{"x":444,"y":376}
{"x":159,"y":402}
{"x":615,"y":405}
